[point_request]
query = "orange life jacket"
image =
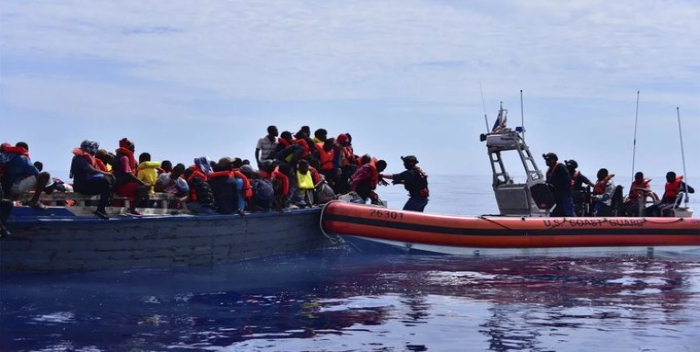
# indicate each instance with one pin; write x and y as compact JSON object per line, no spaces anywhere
{"x":284,"y":142}
{"x":247,"y":187}
{"x":325,"y":157}
{"x":314,"y":175}
{"x":672,"y":188}
{"x":285,"y":181}
{"x":307,"y":149}
{"x":636,"y":187}
{"x":374,"y":178}
{"x":197,"y":173}
{"x":130,"y":155}
{"x":264,"y":174}
{"x":573,"y":178}
{"x":8,"y":149}
{"x":348,"y":156}
{"x":599,"y":187}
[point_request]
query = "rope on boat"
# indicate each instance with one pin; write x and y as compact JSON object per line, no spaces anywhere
{"x":335,"y":239}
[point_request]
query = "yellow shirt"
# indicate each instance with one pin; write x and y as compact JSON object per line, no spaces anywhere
{"x":148,"y":174}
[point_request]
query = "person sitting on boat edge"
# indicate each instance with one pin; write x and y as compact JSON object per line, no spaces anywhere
{"x":639,"y":191}
{"x":172,"y":182}
{"x":415,"y":181}
{"x":201,"y":198}
{"x":560,"y":180}
{"x":603,"y":193}
{"x":266,"y":147}
{"x":104,"y":160}
{"x":579,"y":193}
{"x":20,"y":176}
{"x":89,"y":179}
{"x":672,"y":196}
{"x":223,"y":187}
{"x":147,"y":171}
{"x":365,"y":180}
{"x":124,"y":169}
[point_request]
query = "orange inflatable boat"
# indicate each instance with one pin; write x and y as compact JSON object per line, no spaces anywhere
{"x":507,"y":235}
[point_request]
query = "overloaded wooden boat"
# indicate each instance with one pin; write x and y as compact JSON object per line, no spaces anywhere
{"x":67,"y":239}
{"x":524,"y":225}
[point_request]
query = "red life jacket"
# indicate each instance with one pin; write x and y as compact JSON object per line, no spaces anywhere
{"x":307,"y":149}
{"x":90,"y":159}
{"x":220,"y":174}
{"x":636,"y":187}
{"x":314,"y":175}
{"x":325,"y":157}
{"x":285,"y":181}
{"x":197,"y":173}
{"x":672,"y":188}
{"x":247,"y":187}
{"x":264,"y":174}
{"x":8,"y":149}
{"x":130,"y":155}
{"x":599,"y":187}
{"x":284,"y":142}
{"x":374,"y":179}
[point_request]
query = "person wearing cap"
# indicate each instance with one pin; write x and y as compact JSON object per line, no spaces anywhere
{"x":415,"y":181}
{"x":578,"y":180}
{"x":560,"y":180}
{"x":88,"y":178}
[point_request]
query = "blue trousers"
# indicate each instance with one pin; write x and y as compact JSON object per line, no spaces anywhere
{"x":416,"y":204}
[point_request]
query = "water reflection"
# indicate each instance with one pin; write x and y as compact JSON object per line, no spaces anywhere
{"x":361,"y":303}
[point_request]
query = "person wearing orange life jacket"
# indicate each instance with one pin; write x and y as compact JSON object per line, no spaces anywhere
{"x":365,"y":180}
{"x":671,"y":197}
{"x":224,"y":188}
{"x":345,"y":160}
{"x":602,"y":193}
{"x":415,"y":181}
{"x":559,"y":180}
{"x":126,"y":183}
{"x":89,"y":178}
{"x":281,"y":184}
{"x":287,"y":151}
{"x":19,"y":176}
{"x":639,"y":191}
{"x":327,"y":166}
{"x":201,"y":198}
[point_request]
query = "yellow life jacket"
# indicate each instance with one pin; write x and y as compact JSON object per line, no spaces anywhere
{"x":305,"y":180}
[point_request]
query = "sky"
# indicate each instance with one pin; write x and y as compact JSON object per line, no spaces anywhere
{"x":184,"y":79}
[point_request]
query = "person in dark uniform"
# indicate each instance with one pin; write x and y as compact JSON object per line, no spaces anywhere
{"x":560,"y":180}
{"x":415,"y":181}
{"x":579,"y":182}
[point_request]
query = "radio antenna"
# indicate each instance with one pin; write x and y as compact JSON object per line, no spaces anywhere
{"x":483,"y":103}
{"x":522,"y":114}
{"x":685,"y":176}
{"x":634,"y":142}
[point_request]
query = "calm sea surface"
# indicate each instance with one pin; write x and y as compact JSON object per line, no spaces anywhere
{"x":340,"y":300}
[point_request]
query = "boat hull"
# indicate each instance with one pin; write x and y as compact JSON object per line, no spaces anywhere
{"x":65,"y":243}
{"x":508,"y":235}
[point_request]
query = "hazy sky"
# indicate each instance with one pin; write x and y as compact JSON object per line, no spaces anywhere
{"x":190,"y":78}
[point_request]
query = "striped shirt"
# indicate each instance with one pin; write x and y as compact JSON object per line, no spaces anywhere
{"x":266,"y":147}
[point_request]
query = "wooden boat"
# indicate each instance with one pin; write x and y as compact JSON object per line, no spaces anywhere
{"x":485,"y":235}
{"x":67,"y":239}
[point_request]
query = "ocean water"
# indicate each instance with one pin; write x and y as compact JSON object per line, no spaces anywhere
{"x":342,"y":300}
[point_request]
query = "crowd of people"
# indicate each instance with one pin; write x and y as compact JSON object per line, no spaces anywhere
{"x":576,"y":195}
{"x":289,"y":170}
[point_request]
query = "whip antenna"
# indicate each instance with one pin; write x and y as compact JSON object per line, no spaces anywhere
{"x":483,"y":103}
{"x":685,"y":176}
{"x":634,"y":143}
{"x":522,"y":114}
